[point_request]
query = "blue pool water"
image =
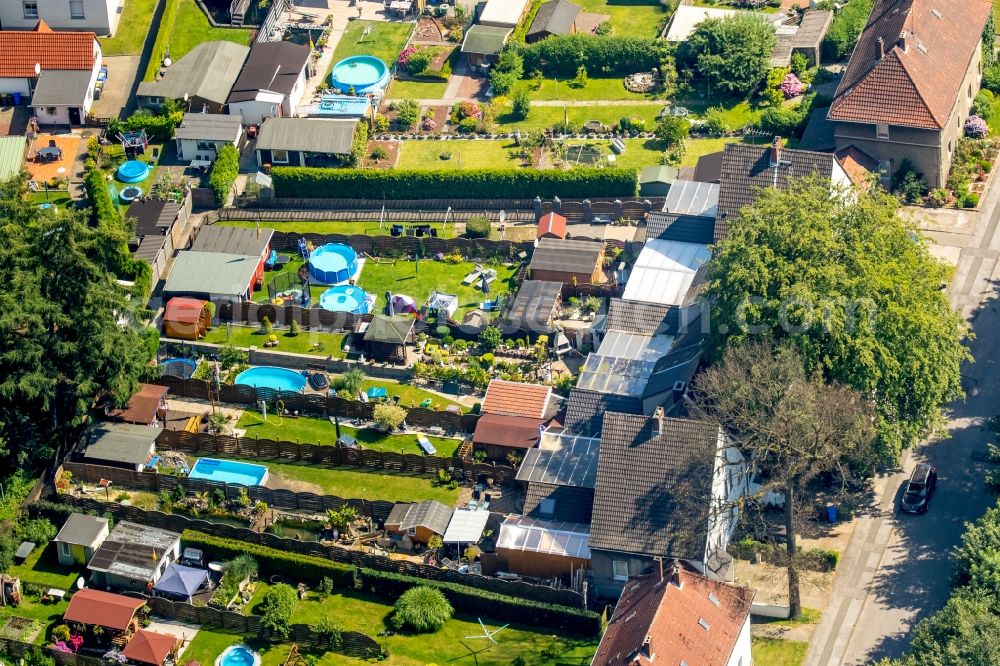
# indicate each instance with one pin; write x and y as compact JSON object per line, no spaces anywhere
{"x":133,"y":171}
{"x":238,"y":655}
{"x":345,"y":298}
{"x":267,"y":376}
{"x":363,"y":73}
{"x":229,"y":471}
{"x":333,"y":263}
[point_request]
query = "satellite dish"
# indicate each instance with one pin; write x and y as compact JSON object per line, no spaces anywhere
{"x":80,"y":583}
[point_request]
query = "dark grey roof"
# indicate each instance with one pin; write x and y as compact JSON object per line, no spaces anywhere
{"x":61,"y":87}
{"x":81,"y":529}
{"x":271,"y":66}
{"x":121,"y":442}
{"x":209,"y":127}
{"x":555,"y":17}
{"x":639,"y":317}
{"x":312,"y":135}
{"x":585,"y":409}
{"x":684,"y":228}
{"x":394,"y":330}
{"x":568,"y":256}
{"x":562,"y":460}
{"x":152,"y":216}
{"x":653,"y":491}
{"x":747,"y":169}
{"x":677,"y":366}
{"x":232,"y":240}
{"x":149,"y":247}
{"x":207,"y":72}
{"x":485,"y":39}
{"x":569,"y":504}
{"x":813,"y":28}
{"x":708,"y":168}
{"x":133,"y":551}
{"x":433,"y":515}
{"x":533,"y":307}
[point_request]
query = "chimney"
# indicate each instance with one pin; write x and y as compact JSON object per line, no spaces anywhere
{"x":658,"y":415}
{"x":776,"y":151}
{"x":647,"y":650}
{"x":680,"y":388}
{"x":881,"y":48}
{"x":675,"y":574}
{"x":903,"y":42}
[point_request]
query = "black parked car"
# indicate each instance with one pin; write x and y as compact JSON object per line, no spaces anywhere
{"x":919,"y":489}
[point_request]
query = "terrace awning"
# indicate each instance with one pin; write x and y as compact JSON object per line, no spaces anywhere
{"x":180,"y":581}
{"x":466,"y":526}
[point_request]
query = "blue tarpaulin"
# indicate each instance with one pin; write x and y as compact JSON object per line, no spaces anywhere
{"x":179,"y":581}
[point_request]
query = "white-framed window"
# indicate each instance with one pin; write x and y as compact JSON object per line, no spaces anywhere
{"x":547,"y":506}
{"x":882,"y":132}
{"x":620,"y":569}
{"x":30,"y":8}
{"x":64,"y":549}
{"x":76,"y":9}
{"x":279,"y":156}
{"x":206,"y":145}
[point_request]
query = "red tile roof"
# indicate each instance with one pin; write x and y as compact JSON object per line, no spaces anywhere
{"x":514,"y":432}
{"x":149,"y":647}
{"x":183,"y":310}
{"x":698,"y":621}
{"x":21,"y":50}
{"x":551,"y":223}
{"x":94,"y":607}
{"x":910,"y":62}
{"x":142,"y":406}
{"x":516,"y":399}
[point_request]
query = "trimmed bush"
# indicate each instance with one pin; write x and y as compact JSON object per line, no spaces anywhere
{"x":422,"y":609}
{"x":563,"y":55}
{"x":580,"y":182}
{"x":277,"y":608}
{"x":224,"y":173}
{"x":272,"y":561}
{"x":478,"y":227}
{"x":102,"y":208}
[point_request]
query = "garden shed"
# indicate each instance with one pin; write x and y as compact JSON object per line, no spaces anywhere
{"x":134,"y":556}
{"x":95,"y":608}
{"x":555,"y":17}
{"x":236,"y":240}
{"x":186,"y":318}
{"x":213,"y":276}
{"x":419,"y":522}
{"x":655,"y":181}
{"x":149,"y":647}
{"x":79,"y":538}
{"x":503,"y":13}
{"x":567,"y":261}
{"x":483,"y":43}
{"x":542,"y":548}
{"x":551,"y":225}
{"x":121,"y":445}
{"x":146,"y":407}
{"x":201,"y":136}
{"x":386,"y":338}
{"x":501,"y":435}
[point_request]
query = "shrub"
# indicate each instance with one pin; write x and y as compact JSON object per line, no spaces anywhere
{"x":418,"y":62}
{"x":388,"y":417}
{"x":908,"y":183}
{"x":490,"y":338}
{"x":378,"y":153}
{"x":521,"y":104}
{"x":60,"y":632}
{"x":562,"y":55}
{"x":359,"y":144}
{"x":731,"y":54}
{"x":800,"y":64}
{"x":502,"y":82}
{"x":672,"y":131}
{"x":503,"y":183}
{"x":422,"y":609}
{"x":277,"y":608}
{"x":478,"y":227}
{"x":510,"y":61}
{"x":715,"y":122}
{"x":783,"y":122}
{"x":224,"y":173}
{"x":407,"y":112}
{"x":102,"y":207}
{"x":468,"y":125}
{"x":939,"y":196}
{"x":581,"y":79}
{"x":791,"y":86}
{"x":632,"y":124}
{"x":604,"y":28}
{"x":36,"y":530}
{"x":329,"y":633}
{"x":991,"y":79}
{"x":970,"y":200}
{"x":976,"y":128}
{"x":846,"y":27}
{"x":982,"y":105}
{"x":487,"y":360}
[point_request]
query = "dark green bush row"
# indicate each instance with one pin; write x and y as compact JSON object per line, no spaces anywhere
{"x":561,"y":55}
{"x":480,"y":602}
{"x":159,"y":126}
{"x":271,"y":561}
{"x":102,"y":208}
{"x":521,"y":31}
{"x":224,"y":173}
{"x":580,"y":183}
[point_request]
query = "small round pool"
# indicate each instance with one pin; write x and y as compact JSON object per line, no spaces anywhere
{"x":268,"y":376}
{"x":130,"y":193}
{"x":333,"y":263}
{"x":133,"y":171}
{"x":345,"y":298}
{"x":363,"y":73}
{"x":178,"y":367}
{"x":238,"y":655}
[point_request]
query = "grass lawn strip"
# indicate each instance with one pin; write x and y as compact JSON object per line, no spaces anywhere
{"x":597,"y":88}
{"x":330,"y":344}
{"x":463,"y":154}
{"x":417,"y":89}
{"x":349,"y":483}
{"x":777,"y":652}
{"x":634,"y":18}
{"x":542,"y":117}
{"x":42,"y":568}
{"x":368,"y":228}
{"x":132,"y":29}
{"x":385,"y":41}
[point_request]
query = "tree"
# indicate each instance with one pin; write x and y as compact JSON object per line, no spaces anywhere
{"x":908,"y":184}
{"x":855,"y":289}
{"x":329,"y":633}
{"x":293,"y":327}
{"x":672,"y":131}
{"x":231,"y":356}
{"x":521,"y":104}
{"x":353,"y":380}
{"x":407,"y":112}
{"x":478,"y":227}
{"x":388,"y":417}
{"x":277,"y":608}
{"x":732,"y":53}
{"x":791,"y":424}
{"x":422,"y":609}
{"x":490,"y":338}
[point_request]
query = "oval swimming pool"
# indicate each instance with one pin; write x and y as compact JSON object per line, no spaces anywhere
{"x":363,"y":73}
{"x":345,"y":298}
{"x":333,"y":263}
{"x":269,"y":376}
{"x":133,"y":171}
{"x":229,"y":471}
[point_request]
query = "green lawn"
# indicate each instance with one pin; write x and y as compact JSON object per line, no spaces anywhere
{"x":321,"y":431}
{"x":738,"y":114}
{"x":597,"y":88}
{"x":776,"y":652}
{"x":132,"y":28}
{"x":385,"y":41}
{"x":330,"y":344}
{"x":183,"y":27}
{"x":354,"y":611}
{"x":58,"y":198}
{"x":464,"y":154}
{"x":542,"y":117}
{"x":33,"y":609}
{"x":369,"y":228}
{"x":637,"y":18}
{"x":412,"y":396}
{"x":42,"y":567}
{"x":406,"y":278}
{"x":350,"y":483}
{"x":416,"y":89}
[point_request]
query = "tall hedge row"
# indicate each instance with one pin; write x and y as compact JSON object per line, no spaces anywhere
{"x":579,"y":183}
{"x":561,"y":55}
{"x":102,"y":208}
{"x":224,"y":173}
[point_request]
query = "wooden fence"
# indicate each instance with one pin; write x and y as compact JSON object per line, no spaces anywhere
{"x":178,"y":523}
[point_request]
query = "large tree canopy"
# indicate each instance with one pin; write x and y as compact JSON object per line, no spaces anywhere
{"x":854,"y":287}
{"x":68,"y":331}
{"x":733,"y":54}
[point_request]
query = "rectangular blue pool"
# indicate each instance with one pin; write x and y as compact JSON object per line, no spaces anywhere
{"x":229,"y":471}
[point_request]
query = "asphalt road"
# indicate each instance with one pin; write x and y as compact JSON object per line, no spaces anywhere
{"x":896,"y":569}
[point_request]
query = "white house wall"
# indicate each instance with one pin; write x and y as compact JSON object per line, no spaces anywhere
{"x":8,"y":86}
{"x":99,"y":16}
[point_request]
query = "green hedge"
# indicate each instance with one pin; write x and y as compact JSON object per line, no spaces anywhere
{"x":497,"y":606}
{"x":224,"y":173}
{"x":580,"y":183}
{"x":273,"y":561}
{"x":102,"y":208}
{"x":561,"y":55}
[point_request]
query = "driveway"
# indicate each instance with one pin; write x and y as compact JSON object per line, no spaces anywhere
{"x":118,"y":88}
{"x":896,"y":569}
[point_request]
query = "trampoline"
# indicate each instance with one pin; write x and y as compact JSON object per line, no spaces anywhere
{"x":179,"y":367}
{"x":130,"y":194}
{"x":345,"y":298}
{"x":362,"y":73}
{"x":332,"y":264}
{"x":133,"y":171}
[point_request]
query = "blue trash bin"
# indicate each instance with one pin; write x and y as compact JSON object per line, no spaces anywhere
{"x":831,"y":514}
{"x":17,"y":99}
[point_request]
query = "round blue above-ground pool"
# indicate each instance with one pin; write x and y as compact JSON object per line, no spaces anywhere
{"x":238,"y":655}
{"x":363,"y":73}
{"x":267,"y":376}
{"x":133,"y":171}
{"x":333,"y":263}
{"x":345,"y":298}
